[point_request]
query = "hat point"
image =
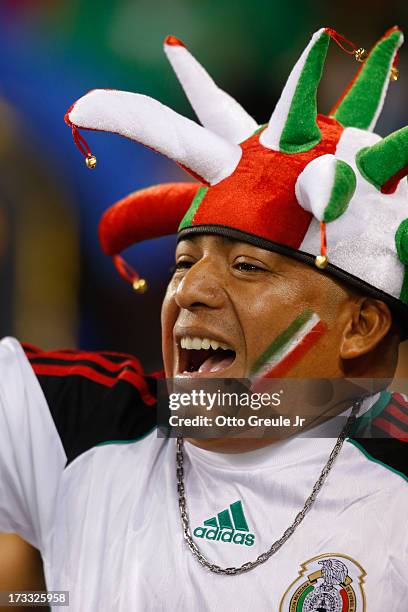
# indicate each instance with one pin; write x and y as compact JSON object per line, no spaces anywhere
{"x":173,"y":41}
{"x":392,"y":29}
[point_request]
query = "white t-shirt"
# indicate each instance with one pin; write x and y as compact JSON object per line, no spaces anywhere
{"x":84,"y":477}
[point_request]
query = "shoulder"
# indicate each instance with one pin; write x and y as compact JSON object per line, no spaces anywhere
{"x":11,"y":354}
{"x":104,"y":368}
{"x":95,"y":397}
{"x":20,"y":393}
{"x":382,"y":434}
{"x":16,"y":375}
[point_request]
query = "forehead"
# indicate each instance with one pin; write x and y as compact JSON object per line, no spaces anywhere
{"x":214,"y":242}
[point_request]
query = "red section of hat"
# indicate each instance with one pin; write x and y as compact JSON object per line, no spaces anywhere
{"x":391,"y":185}
{"x":148,"y":213}
{"x":259,"y":197}
{"x":173,"y":41}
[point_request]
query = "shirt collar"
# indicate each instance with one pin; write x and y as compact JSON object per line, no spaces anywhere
{"x":309,"y":445}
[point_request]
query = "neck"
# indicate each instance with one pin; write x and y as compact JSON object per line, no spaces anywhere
{"x":257,"y":438}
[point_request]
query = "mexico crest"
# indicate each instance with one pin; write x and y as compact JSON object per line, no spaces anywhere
{"x":327,"y":583}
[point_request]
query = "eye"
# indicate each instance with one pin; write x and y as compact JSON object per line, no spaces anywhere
{"x":245,"y":266}
{"x":183,"y":264}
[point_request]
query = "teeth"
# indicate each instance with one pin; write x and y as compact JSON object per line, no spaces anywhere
{"x":186,"y":342}
{"x":195,"y":343}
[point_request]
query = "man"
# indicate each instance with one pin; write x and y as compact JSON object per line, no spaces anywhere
{"x":305,"y":523}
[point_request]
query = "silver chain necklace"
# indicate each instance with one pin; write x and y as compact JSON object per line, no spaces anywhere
{"x":231,"y":571}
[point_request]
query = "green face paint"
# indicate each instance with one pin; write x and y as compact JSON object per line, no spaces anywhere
{"x":289,"y":347}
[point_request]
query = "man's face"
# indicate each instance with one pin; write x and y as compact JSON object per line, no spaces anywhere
{"x":233,"y":300}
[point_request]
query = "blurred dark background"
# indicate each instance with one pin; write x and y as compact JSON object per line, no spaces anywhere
{"x":58,"y":289}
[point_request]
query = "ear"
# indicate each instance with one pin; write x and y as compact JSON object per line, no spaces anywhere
{"x":369,"y":322}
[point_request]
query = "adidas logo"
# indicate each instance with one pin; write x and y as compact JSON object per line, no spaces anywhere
{"x":228,"y":526}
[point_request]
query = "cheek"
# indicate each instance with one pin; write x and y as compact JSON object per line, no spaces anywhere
{"x":271,"y":314}
{"x":269,"y":319}
{"x":267,"y":312}
{"x":264,"y":315}
{"x":169,"y":312}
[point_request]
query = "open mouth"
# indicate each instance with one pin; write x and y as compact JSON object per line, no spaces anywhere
{"x":204,"y":355}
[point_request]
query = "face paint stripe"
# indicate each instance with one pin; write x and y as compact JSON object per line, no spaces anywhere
{"x":291,"y":345}
{"x":282,"y":340}
{"x":298,"y":352}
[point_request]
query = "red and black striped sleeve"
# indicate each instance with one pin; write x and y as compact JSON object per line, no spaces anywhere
{"x":388,"y":439}
{"x":392,"y":422}
{"x":95,"y":397}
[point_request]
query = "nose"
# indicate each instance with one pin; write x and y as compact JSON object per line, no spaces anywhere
{"x":202,"y":286}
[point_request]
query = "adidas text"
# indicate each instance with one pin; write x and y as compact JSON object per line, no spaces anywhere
{"x":225,"y":535}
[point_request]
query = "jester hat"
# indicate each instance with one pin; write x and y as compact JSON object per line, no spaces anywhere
{"x":323,"y":189}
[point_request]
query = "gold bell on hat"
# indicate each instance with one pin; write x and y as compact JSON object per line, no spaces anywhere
{"x":394,"y":74}
{"x":360,"y":54}
{"x":321,"y":262}
{"x":140,"y":285}
{"x":90,"y":161}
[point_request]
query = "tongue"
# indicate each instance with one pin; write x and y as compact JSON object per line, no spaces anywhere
{"x":215,"y":363}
